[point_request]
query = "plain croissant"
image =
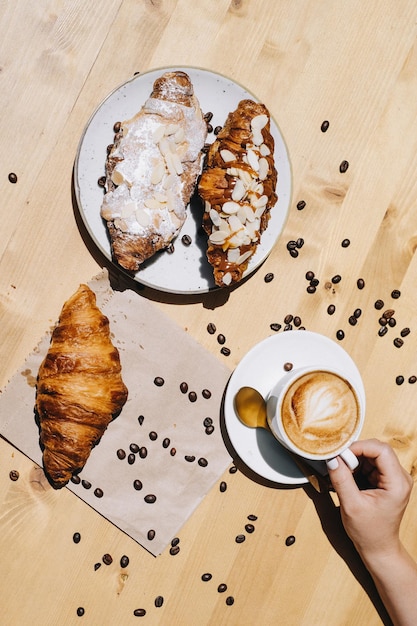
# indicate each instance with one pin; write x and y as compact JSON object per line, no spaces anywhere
{"x":79,"y":388}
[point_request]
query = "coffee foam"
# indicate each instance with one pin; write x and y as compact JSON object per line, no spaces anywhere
{"x":320,"y":412}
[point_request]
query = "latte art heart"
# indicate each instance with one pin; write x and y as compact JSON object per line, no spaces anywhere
{"x":320,"y":412}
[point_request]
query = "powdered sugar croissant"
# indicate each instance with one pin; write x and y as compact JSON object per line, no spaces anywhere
{"x":238,"y":189}
{"x":152,"y":170}
{"x":79,"y":388}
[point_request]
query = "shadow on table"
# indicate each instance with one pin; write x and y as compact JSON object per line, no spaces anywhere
{"x":330,"y":518}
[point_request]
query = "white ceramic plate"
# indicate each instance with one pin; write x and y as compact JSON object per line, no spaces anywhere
{"x":261,"y":368}
{"x":186,"y":270}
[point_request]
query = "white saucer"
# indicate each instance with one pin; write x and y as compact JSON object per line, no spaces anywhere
{"x":261,"y":368}
{"x":186,"y":270}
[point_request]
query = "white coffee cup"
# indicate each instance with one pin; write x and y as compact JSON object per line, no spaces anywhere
{"x":317,"y":413}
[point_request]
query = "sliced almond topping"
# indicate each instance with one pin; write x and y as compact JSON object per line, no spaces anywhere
{"x":244,"y":257}
{"x":160,"y":197}
{"x":177,"y":163}
{"x":235,"y":224}
{"x":128,"y":209}
{"x":142,"y":218}
{"x":152,"y":203}
{"x":227,"y":278}
{"x":117,"y":177}
{"x":179,"y":135}
{"x":257,"y":137}
{"x":227,"y":155}
{"x":230,"y":207}
{"x":260,"y":202}
{"x":158,"y":173}
{"x":263,"y":168}
{"x":264,"y":150}
{"x":233,"y":254}
{"x":215,"y":217}
{"x":218,"y":237}
{"x":171,"y":129}
{"x":239,"y":190}
{"x":158,"y":133}
{"x":168,"y":181}
{"x":121,"y":225}
{"x":259,"y":121}
{"x":253,"y":160}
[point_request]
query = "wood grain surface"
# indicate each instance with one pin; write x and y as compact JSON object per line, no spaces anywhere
{"x":352,"y":63}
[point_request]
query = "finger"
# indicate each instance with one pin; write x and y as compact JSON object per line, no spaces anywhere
{"x":342,"y":480}
{"x":378,"y":454}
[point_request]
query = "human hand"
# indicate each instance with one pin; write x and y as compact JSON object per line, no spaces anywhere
{"x":372,"y":517}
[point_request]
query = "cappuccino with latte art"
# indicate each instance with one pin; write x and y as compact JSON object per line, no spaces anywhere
{"x":320,"y":412}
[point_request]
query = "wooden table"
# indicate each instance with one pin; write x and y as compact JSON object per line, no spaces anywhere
{"x":353,"y":64}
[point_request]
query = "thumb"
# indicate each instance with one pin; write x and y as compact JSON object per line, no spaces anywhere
{"x":342,"y":480}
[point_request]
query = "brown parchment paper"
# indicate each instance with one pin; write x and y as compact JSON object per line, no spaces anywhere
{"x":150,"y":346}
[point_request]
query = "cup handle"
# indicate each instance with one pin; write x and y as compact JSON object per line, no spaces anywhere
{"x":350,"y":459}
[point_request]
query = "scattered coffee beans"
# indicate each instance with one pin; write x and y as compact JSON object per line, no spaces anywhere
{"x":97,"y":566}
{"x":174,"y":550}
{"x":399,"y":380}
{"x":412,"y":380}
{"x":186,"y":240}
{"x":189,"y":458}
{"x":121,"y":454}
{"x":151,"y":534}
{"x":202,"y":462}
{"x":222,"y":588}
{"x":240,"y":538}
{"x":159,"y":600}
{"x":275,"y":327}
{"x":206,"y":393}
{"x":331,"y":309}
{"x":290,"y":540}
{"x":206,"y":577}
{"x":225,"y":351}
{"x":343,"y":167}
{"x":141,"y":419}
{"x":288,"y":367}
{"x":153,"y":436}
{"x":150,"y":498}
{"x":192,"y":396}
{"x":12,"y":178}
{"x":345,"y":243}
{"x":252,"y":517}
{"x":98,"y":492}
{"x":131,"y":458}
{"x":76,"y":537}
{"x":221,"y":339}
{"x":405,"y":332}
{"x":211,"y":328}
{"x":395,"y":294}
{"x":86,"y":484}
{"x":80,"y":611}
{"x":230,"y":600}
{"x":183,"y":387}
{"x":173,"y":451}
{"x":107,"y":559}
{"x":336,"y":279}
{"x":398,"y":342}
{"x":250,"y":528}
{"x":301,"y":205}
{"x":325,"y":126}
{"x":340,"y":334}
{"x":166,"y":442}
{"x":143,"y":452}
{"x":14,"y":475}
{"x":269,"y":277}
{"x":137,"y":484}
{"x":379,"y":304}
{"x":75,"y":479}
{"x":159,"y":381}
{"x":139,"y":612}
{"x":124,"y":561}
{"x":134,"y":448}
{"x":360,"y":283}
{"x":223,"y":486}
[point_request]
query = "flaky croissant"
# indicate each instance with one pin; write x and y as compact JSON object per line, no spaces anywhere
{"x":79,"y":387}
{"x":238,"y":189}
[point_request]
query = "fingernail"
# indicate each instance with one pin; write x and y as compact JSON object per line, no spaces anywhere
{"x":332,"y":464}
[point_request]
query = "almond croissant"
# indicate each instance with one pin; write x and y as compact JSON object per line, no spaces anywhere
{"x":79,"y":388}
{"x":238,"y":189}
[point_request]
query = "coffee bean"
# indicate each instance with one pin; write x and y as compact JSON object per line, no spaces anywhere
{"x":222,"y":588}
{"x":399,"y":380}
{"x":150,"y":498}
{"x":311,"y":289}
{"x":173,"y":451}
{"x":357,"y":313}
{"x":76,"y":537}
{"x":137,"y":484}
{"x":230,"y":600}
{"x":398,"y":342}
{"x":343,"y":167}
{"x":240,"y":538}
{"x":192,"y":396}
{"x":360,"y":283}
{"x":159,"y":600}
{"x":75,"y":479}
{"x":153,"y":436}
{"x":12,"y":178}
{"x":190,"y":458}
{"x":14,"y":475}
{"x":101,"y":182}
{"x":80,"y":611}
{"x":269,"y":277}
{"x":134,"y":448}
{"x":392,"y":322}
{"x":109,"y":148}
{"x":383,"y":321}
{"x":331,"y":309}
{"x":170,"y":249}
{"x":184,"y":387}
{"x":340,"y":335}
{"x":206,"y":393}
{"x":314,"y":282}
{"x":288,"y":367}
{"x":388,"y":313}
{"x":166,"y":442}
{"x":310,"y":275}
{"x":288,"y":319}
{"x":301,"y":205}
{"x":412,"y":380}
{"x":139,"y":612}
{"x":175,"y":541}
{"x":143,"y":452}
{"x":202,"y":462}
{"x":232,"y":469}
{"x":151,"y":534}
{"x":345,"y":243}
{"x":174,"y":550}
{"x":107,"y":559}
{"x":159,"y":381}
{"x":353,"y":320}
{"x":336,"y":279}
{"x":86,"y":484}
{"x":223,"y":486}
{"x":294,"y":253}
{"x":117,"y":126}
{"x":97,"y":566}
{"x":217,"y":129}
{"x":98,"y":492}
{"x":395,"y":294}
{"x":131,"y":458}
{"x":186,"y":240}
{"x":405,"y":332}
{"x":141,"y":419}
{"x":324,"y":127}
{"x":252,"y":517}
{"x":211,"y":328}
{"x":300,"y":242}
{"x":124,"y":561}
{"x":275,"y":326}
{"x":250,"y":528}
{"x":297,"y":321}
{"x":382,"y":331}
{"x":290,"y":540}
{"x":379,"y":304}
{"x":206,"y":577}
{"x":221,"y":339}
{"x":291,"y":245}
{"x":121,"y":454}
{"x":225,"y":351}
